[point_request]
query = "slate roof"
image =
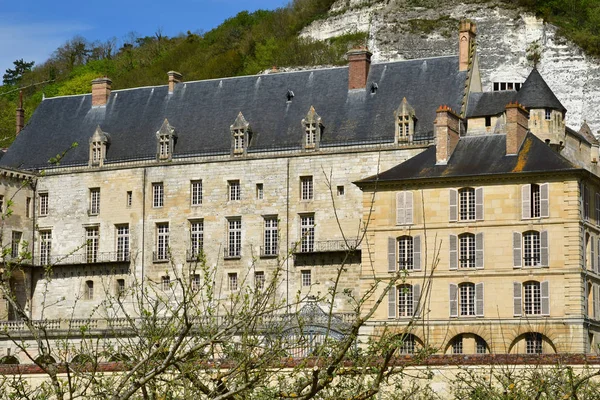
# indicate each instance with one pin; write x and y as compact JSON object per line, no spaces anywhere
{"x":201,"y":112}
{"x":478,"y":156}
{"x":489,"y":103}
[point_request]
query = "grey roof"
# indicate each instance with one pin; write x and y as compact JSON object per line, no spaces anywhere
{"x":479,"y":156}
{"x":535,"y":93}
{"x":579,"y":135}
{"x":489,"y":103}
{"x":201,"y":112}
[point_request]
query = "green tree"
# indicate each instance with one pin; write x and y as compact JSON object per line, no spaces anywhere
{"x":14,"y":76}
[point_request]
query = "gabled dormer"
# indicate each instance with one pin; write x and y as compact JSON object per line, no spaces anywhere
{"x":166,"y":137}
{"x":312,"y":128}
{"x":240,"y":135}
{"x":405,"y":122}
{"x":98,"y":144}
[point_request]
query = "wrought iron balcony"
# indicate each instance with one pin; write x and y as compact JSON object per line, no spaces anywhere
{"x":269,"y":251}
{"x":232,"y":252}
{"x":326,"y":246}
{"x":78,"y":259}
{"x":160,"y":256}
{"x":192,"y":255}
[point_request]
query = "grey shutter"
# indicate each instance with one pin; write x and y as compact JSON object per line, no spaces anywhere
{"x":593,"y":253}
{"x":392,"y":302}
{"x":597,"y":302}
{"x":479,"y":203}
{"x":597,"y":203}
{"x":594,"y":300}
{"x":417,"y":306}
{"x":517,"y":299}
{"x":408,"y":208}
{"x":417,"y":253}
{"x":598,"y":258}
{"x":545,"y":289}
{"x":453,"y":205}
{"x":544,"y":201}
{"x":400,"y":213}
{"x":479,"y":299}
{"x":544,"y":248}
{"x":517,"y":251}
{"x":479,"y":250}
{"x":453,"y":252}
{"x":453,"y":300}
{"x":526,"y":201}
{"x":392,"y":254}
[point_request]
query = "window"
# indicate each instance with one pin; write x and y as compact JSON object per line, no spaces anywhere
{"x":530,"y":249}
{"x":405,"y":253}
{"x":597,"y":203}
{"x":307,"y":233}
{"x":306,"y":277}
{"x":1,"y":204}
{"x":457,"y":345}
{"x":235,"y":191}
{"x":164,"y":148}
{"x":271,"y":236}
{"x":405,"y":301}
{"x":120,"y":287}
{"x":15,"y":244}
{"x":312,"y":129}
{"x":94,"y":201}
{"x":45,"y":247}
{"x":28,"y":207}
{"x":91,"y":246}
{"x":166,"y":137}
{"x":408,"y":344}
{"x":531,"y":298}
{"x":162,"y":242}
{"x":129,"y":199}
{"x":158,"y":195}
{"x":165,"y":282}
{"x":467,"y":250}
{"x":89,"y":290}
{"x":548,"y":114}
{"x":466,"y":299}
{"x":232,"y":280}
{"x":122,"y":242}
{"x":340,"y":190}
{"x":306,"y":187}
{"x":404,"y":208}
{"x":488,"y":121}
{"x":466,"y":204}
{"x":96,"y":152}
{"x":586,"y":202}
{"x":238,"y":140}
{"x":259,"y":191}
{"x":97,"y":148}
{"x":195,"y":282}
{"x":196,"y":190}
{"x":259,"y":280}
{"x":533,"y":343}
{"x":234,"y":249}
{"x":405,"y":122}
{"x":43,"y":204}
{"x":196,"y":238}
{"x":480,"y":345}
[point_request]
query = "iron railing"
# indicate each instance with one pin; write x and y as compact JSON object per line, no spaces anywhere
{"x":77,"y":259}
{"x":232,"y":252}
{"x":325,"y":246}
{"x":269,"y":251}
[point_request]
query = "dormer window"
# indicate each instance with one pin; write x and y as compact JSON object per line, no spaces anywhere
{"x":405,"y":122}
{"x":241,"y":135}
{"x":98,"y":144}
{"x":166,"y":138}
{"x":312,"y":129}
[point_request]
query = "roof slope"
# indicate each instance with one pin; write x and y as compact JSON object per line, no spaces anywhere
{"x":478,"y":156}
{"x":201,"y":112}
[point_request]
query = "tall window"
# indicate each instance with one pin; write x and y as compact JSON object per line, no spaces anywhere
{"x":310,"y":129}
{"x":89,"y":290}
{"x":94,"y":201}
{"x":306,"y":277}
{"x":91,"y":247}
{"x":162,"y":242}
{"x":232,"y":278}
{"x":548,"y":113}
{"x":196,"y":238}
{"x":531,"y":249}
{"x":120,"y":289}
{"x":234,"y":237}
{"x":129,"y":199}
{"x":15,"y":244}
{"x":196,"y":190}
{"x":535,"y":201}
{"x":260,"y":194}
{"x":122,"y":242}
{"x":405,"y":253}
{"x":164,"y":146}
{"x":238,"y":140}
{"x":466,"y":204}
{"x":405,"y":301}
{"x":1,"y":203}
{"x":533,"y":298}
{"x":403,"y":127}
{"x":235,"y":190}
{"x":158,"y":194}
{"x":467,"y":250}
{"x":45,"y":247}
{"x":96,"y":152}
{"x":586,"y":202}
{"x":306,"y":187}
{"x":467,"y":299}
{"x":259,"y":280}
{"x":271,"y":236}
{"x":533,"y":343}
{"x":28,"y":207}
{"x":307,"y":233}
{"x":43,"y":204}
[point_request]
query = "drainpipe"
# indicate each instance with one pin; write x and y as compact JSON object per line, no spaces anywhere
{"x":287,"y":236}
{"x":33,"y":236}
{"x":143,"y":230}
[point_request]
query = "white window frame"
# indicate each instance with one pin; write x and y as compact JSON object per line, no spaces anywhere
{"x":260,"y":192}
{"x":94,"y":201}
{"x":89,"y":290}
{"x":232,"y":281}
{"x":306,"y":277}
{"x":271,"y":236}
{"x":158,"y":195}
{"x":466,"y":258}
{"x":234,"y":190}
{"x":307,"y":233}
{"x":406,"y":306}
{"x":405,"y":253}
{"x":15,"y":244}
{"x":195,"y":282}
{"x":122,"y":243}
{"x":196,"y":237}
{"x":165,"y":282}
{"x":234,"y":237}
{"x":45,"y":247}
{"x":534,"y":343}
{"x":162,"y":241}
{"x":44,"y":204}
{"x":532,"y":298}
{"x":466,"y":299}
{"x":259,"y":280}
{"x":466,"y":204}
{"x":196,"y":192}
{"x":92,"y":243}
{"x":306,"y":188}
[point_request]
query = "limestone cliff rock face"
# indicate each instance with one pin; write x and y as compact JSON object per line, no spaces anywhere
{"x":400,"y":30}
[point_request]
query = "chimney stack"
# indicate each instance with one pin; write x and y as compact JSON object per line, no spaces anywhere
{"x":20,"y":113}
{"x":359,"y":62}
{"x":100,"y":91}
{"x":446,"y":127}
{"x":517,"y":123}
{"x":466,"y":41}
{"x":174,"y":77}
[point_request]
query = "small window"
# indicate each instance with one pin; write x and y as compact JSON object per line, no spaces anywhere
{"x":548,"y":114}
{"x":129,"y":199}
{"x":43,"y":211}
{"x":340,"y":190}
{"x":232,"y":278}
{"x":306,"y":277}
{"x":259,"y":191}
{"x":158,"y":195}
{"x":533,"y":343}
{"x":306,"y":188}
{"x":509,"y":86}
{"x":480,"y":345}
{"x":488,"y":121}
{"x":234,"y":189}
{"x":94,"y":207}
{"x":15,"y":244}
{"x":28,"y":207}
{"x":165,"y":282}
{"x":120,"y":287}
{"x":502,"y":85}
{"x":196,"y":193}
{"x":195,"y":282}
{"x":259,"y":280}
{"x":89,"y":290}
{"x":457,"y":345}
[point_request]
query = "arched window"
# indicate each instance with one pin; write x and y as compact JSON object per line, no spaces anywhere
{"x":466,"y":201}
{"x":467,"y":343}
{"x":531,"y":249}
{"x":408,"y":343}
{"x":466,"y":258}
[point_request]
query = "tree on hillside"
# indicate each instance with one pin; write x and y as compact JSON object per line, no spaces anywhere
{"x":14,"y":76}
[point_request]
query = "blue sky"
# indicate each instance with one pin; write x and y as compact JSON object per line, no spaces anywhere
{"x":33,"y":29}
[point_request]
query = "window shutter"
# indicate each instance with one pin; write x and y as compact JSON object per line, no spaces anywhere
{"x":598,"y":258}
{"x":408,"y":207}
{"x":391,"y":254}
{"x":417,"y":299}
{"x":545,"y":297}
{"x":453,"y":252}
{"x":544,"y":201}
{"x":597,"y":302}
{"x":453,"y":205}
{"x":479,"y":299}
{"x":526,"y":201}
{"x":453,"y":300}
{"x":592,"y":253}
{"x":479,"y":250}
{"x":479,"y":203}
{"x":597,"y":203}
{"x":392,"y":303}
{"x":417,"y":253}
{"x":400,"y":213}
{"x":517,"y":251}
{"x":517,"y":299}
{"x":594,"y":301}
{"x":544,"y":248}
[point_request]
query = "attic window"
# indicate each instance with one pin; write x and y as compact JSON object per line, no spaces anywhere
{"x":240,"y":135}
{"x":374,"y":87}
{"x":289,"y":95}
{"x":166,"y":137}
{"x":405,"y":122}
{"x":312,"y":129}
{"x":98,"y":144}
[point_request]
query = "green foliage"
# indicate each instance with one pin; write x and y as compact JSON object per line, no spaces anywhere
{"x":13,"y":76}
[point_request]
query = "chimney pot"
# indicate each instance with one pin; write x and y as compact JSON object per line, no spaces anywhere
{"x":466,"y":41}
{"x":174,"y":78}
{"x":517,"y":125}
{"x":101,"y":91}
{"x":359,"y":63}
{"x":447,"y":134}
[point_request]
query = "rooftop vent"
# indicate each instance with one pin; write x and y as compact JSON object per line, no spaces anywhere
{"x":289,"y":95}
{"x":374,"y":87}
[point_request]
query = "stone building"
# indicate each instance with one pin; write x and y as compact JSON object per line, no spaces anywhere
{"x":257,"y":173}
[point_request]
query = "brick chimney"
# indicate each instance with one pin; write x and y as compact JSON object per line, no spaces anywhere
{"x":466,"y":41}
{"x":446,"y":127}
{"x":517,"y":122}
{"x":20,"y":113}
{"x":359,"y":62}
{"x":100,"y":91}
{"x":174,"y":77}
